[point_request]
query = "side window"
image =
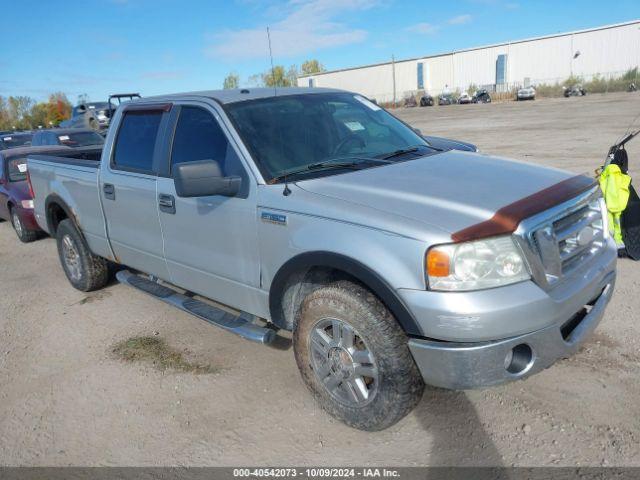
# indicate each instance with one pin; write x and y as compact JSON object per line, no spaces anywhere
{"x":136,"y":141}
{"x":198,"y":136}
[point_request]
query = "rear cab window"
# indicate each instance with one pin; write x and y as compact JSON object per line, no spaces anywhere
{"x":136,"y":141}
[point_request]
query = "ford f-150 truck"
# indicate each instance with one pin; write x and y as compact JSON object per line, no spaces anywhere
{"x":393,"y":263}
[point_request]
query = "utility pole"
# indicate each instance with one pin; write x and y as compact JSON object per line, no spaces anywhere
{"x":393,"y":70}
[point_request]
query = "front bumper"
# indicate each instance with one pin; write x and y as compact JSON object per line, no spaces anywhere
{"x":462,"y":365}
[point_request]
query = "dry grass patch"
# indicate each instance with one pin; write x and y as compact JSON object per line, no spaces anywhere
{"x":156,"y":351}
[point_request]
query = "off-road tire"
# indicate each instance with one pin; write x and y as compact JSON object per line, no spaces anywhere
{"x":400,"y":385}
{"x":24,"y":234}
{"x":94,"y":270}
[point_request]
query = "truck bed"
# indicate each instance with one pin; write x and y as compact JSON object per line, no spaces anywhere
{"x":71,"y":179}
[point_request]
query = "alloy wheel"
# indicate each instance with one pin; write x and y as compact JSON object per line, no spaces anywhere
{"x":71,"y":258}
{"x":342,"y":362}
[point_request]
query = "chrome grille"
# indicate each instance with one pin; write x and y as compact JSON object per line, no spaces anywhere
{"x":566,"y":237}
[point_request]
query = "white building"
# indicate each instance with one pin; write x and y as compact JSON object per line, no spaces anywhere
{"x":608,"y":51}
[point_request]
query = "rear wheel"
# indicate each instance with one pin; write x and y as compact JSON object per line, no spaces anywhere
{"x":24,"y":234}
{"x":354,"y":357}
{"x":84,"y":270}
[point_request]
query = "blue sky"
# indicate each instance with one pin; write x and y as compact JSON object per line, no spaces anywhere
{"x":99,"y":47}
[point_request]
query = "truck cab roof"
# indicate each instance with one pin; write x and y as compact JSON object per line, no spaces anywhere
{"x":240,"y":94}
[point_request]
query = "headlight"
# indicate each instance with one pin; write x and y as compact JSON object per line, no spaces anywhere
{"x":477,"y":265}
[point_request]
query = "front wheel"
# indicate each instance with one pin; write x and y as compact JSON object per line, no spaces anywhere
{"x":84,"y":270}
{"x":354,"y":357}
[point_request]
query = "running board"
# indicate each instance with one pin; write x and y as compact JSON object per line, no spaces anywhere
{"x":238,"y":324}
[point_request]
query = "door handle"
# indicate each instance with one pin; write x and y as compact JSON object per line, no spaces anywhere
{"x":167,"y":203}
{"x":109,"y":191}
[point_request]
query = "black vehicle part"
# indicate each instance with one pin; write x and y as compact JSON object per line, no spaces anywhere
{"x":621,"y":159}
{"x":630,"y":222}
{"x":240,"y":324}
{"x":204,"y":178}
{"x":119,"y":97}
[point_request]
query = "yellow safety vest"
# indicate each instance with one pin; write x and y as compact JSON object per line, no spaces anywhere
{"x":615,"y":188}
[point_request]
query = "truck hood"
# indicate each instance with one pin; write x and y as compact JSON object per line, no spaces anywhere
{"x":450,"y":190}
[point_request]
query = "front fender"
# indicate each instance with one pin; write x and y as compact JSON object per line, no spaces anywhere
{"x":382,"y":261}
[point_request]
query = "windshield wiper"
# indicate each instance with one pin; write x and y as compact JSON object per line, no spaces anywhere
{"x":328,"y":165}
{"x":404,"y":151}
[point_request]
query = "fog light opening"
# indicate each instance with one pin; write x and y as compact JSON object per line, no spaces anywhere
{"x":519,"y":359}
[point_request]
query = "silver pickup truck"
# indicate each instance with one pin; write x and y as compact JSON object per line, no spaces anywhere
{"x":393,"y":263}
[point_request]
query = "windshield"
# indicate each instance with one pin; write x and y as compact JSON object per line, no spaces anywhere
{"x":97,"y":105}
{"x":17,"y":169}
{"x":15,"y":140}
{"x":80,"y":139}
{"x":290,"y":132}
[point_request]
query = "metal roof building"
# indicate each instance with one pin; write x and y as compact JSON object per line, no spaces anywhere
{"x":609,"y":51}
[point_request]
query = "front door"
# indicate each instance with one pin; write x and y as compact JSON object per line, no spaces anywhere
{"x":210,"y":243}
{"x":128,"y":187}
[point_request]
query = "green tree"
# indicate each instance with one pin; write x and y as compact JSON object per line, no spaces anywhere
{"x":312,"y":66}
{"x":4,"y":114}
{"x":39,"y":116}
{"x":231,"y":81}
{"x":19,"y":109}
{"x":277,"y":77}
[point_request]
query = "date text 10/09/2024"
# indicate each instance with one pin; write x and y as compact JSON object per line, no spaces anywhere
{"x":316,"y":472}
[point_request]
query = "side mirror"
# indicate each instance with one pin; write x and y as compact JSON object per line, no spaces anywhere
{"x":203,"y":178}
{"x":418,"y":131}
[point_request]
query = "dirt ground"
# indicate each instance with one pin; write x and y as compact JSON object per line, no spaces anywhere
{"x":65,"y":399}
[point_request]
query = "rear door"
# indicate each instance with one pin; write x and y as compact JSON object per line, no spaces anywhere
{"x":128,"y":185}
{"x":210,"y":243}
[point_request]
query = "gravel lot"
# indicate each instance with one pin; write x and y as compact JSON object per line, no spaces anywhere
{"x":65,"y":400}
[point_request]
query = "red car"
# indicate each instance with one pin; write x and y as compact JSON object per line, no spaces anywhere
{"x":16,"y":200}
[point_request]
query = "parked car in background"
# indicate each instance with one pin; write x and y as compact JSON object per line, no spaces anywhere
{"x":70,"y":137}
{"x":464,"y":98}
{"x":393,"y":264}
{"x":576,"y":90}
{"x":15,"y":140}
{"x":446,"y":99}
{"x":94,"y":115}
{"x":481,"y":96}
{"x":526,"y":93}
{"x":410,"y":101}
{"x":426,"y":100}
{"x":16,"y":200}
